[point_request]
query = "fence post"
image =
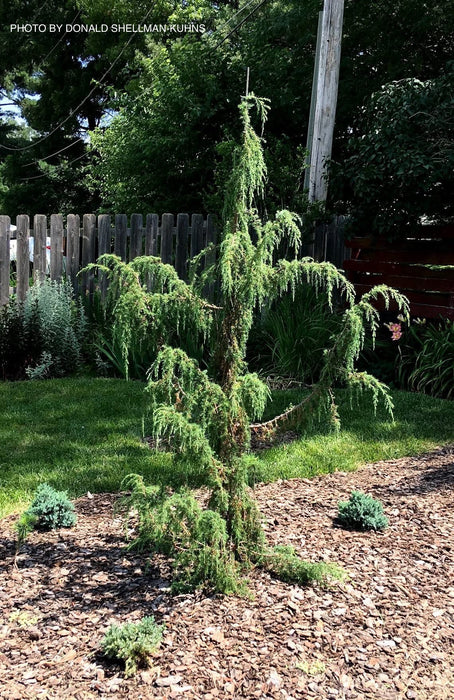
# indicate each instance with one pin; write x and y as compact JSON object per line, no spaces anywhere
{"x":4,"y":259}
{"x":73,"y":249}
{"x":23,"y":256}
{"x":135,"y":245}
{"x":56,"y":246}
{"x":39,"y":247}
{"x":167,"y":238}
{"x":181,"y":248}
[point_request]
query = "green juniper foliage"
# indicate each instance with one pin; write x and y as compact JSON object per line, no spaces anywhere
{"x":362,"y":512}
{"x":133,"y":643}
{"x":284,"y":562}
{"x":23,"y":526}
{"x":51,"y":508}
{"x":205,"y":414}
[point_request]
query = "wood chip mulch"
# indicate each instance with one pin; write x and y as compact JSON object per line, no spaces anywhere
{"x":387,"y":632}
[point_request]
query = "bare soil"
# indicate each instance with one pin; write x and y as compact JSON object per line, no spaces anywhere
{"x":387,"y":632}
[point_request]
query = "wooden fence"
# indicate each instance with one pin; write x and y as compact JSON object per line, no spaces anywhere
{"x":65,"y":249}
{"x":421,"y":266}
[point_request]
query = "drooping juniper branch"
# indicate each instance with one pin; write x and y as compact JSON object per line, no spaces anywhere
{"x":291,"y":417}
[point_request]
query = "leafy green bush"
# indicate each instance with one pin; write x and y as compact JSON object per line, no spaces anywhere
{"x":52,"y":508}
{"x":362,"y":512}
{"x":401,"y":163}
{"x":62,"y":325}
{"x":21,"y":342}
{"x":133,"y":643}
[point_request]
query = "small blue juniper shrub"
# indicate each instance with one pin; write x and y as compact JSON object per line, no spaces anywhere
{"x":362,"y":512}
{"x":52,"y":508}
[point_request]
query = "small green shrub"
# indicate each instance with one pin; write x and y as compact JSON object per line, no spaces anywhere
{"x":362,"y":512}
{"x":62,"y":325}
{"x":52,"y":508}
{"x":284,"y":563}
{"x":132,"y":643}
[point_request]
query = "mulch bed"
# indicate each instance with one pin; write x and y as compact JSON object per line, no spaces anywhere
{"x":387,"y":632}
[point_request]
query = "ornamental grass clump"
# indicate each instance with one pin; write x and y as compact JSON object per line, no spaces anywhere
{"x":362,"y":512}
{"x":205,"y":414}
{"x":133,"y":643}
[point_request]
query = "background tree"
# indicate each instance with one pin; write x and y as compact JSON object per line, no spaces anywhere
{"x":60,"y":83}
{"x":175,"y":113}
{"x":401,"y":166}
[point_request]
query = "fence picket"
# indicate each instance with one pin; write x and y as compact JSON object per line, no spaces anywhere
{"x":39,"y":247}
{"x":23,"y":256}
{"x":88,"y":252}
{"x":56,"y":246}
{"x":104,"y":246}
{"x":4,"y":259}
{"x":151,"y":234}
{"x":135,"y":247}
{"x":181,"y":247}
{"x":167,"y":238}
{"x":73,"y":249}
{"x":121,"y":226}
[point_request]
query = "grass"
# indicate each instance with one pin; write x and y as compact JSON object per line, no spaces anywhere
{"x":84,"y":435}
{"x":420,"y":424}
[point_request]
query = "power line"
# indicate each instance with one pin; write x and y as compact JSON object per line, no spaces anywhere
{"x":240,"y":24}
{"x":238,"y":12}
{"x":56,"y":167}
{"x":56,"y":153}
{"x":57,"y":43}
{"x":76,"y":109}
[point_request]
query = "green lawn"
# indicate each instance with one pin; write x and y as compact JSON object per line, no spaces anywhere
{"x":85,"y":435}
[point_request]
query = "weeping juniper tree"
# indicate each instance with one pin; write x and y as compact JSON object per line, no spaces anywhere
{"x":205,"y":415}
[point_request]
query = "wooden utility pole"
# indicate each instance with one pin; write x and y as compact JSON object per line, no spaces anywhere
{"x":324,"y":98}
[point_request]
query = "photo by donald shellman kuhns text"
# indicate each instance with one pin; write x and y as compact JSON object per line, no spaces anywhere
{"x":190,"y":28}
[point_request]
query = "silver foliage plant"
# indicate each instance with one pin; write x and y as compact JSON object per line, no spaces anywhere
{"x":62,"y":327}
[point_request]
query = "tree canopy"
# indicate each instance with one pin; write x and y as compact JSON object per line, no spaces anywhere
{"x":157,"y":116}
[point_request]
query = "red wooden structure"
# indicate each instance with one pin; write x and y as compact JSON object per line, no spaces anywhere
{"x":421,"y":266}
